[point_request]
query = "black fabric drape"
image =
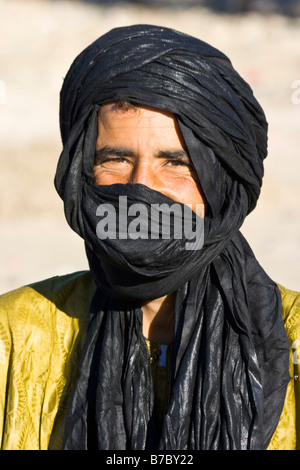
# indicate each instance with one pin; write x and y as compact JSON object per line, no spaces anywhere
{"x":230,"y":352}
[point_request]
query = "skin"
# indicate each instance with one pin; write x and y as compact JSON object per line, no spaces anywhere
{"x":143,"y":145}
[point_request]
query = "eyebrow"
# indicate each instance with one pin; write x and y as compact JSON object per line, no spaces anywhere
{"x":107,"y":151}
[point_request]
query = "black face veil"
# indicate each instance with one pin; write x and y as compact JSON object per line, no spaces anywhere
{"x":230,"y":352}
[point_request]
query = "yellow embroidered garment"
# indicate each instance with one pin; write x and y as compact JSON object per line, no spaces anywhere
{"x":42,"y":332}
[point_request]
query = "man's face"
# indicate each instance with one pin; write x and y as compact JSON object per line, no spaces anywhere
{"x":139,"y":145}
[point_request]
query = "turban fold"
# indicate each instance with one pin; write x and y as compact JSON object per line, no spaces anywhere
{"x":230,"y":351}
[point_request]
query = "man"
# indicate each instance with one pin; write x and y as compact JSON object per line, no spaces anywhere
{"x":161,"y":346}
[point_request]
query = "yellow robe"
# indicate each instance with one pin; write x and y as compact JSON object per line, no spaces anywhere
{"x":42,"y":332}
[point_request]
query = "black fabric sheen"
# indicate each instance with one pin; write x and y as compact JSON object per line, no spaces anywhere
{"x":230,"y":351}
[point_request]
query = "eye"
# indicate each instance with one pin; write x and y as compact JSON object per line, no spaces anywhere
{"x":178,"y":163}
{"x":116,"y":159}
{"x":113,"y":161}
{"x":111,"y":156}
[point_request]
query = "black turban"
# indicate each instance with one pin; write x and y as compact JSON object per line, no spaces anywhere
{"x":230,"y":351}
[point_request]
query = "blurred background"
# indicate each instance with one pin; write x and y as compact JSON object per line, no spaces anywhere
{"x":40,"y":39}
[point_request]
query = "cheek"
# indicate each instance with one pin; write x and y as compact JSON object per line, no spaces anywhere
{"x":184,"y":190}
{"x":105,"y":178}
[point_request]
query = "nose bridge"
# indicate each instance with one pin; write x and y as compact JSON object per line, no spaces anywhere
{"x":141,"y":173}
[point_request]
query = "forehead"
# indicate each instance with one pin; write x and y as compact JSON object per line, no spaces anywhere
{"x":115,"y":115}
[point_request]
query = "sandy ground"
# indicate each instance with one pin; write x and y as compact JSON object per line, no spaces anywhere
{"x":39,"y":40}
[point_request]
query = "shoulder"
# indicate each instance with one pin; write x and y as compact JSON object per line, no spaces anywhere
{"x":42,"y":333}
{"x":287,"y":436}
{"x":291,"y":311}
{"x":69,"y":294}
